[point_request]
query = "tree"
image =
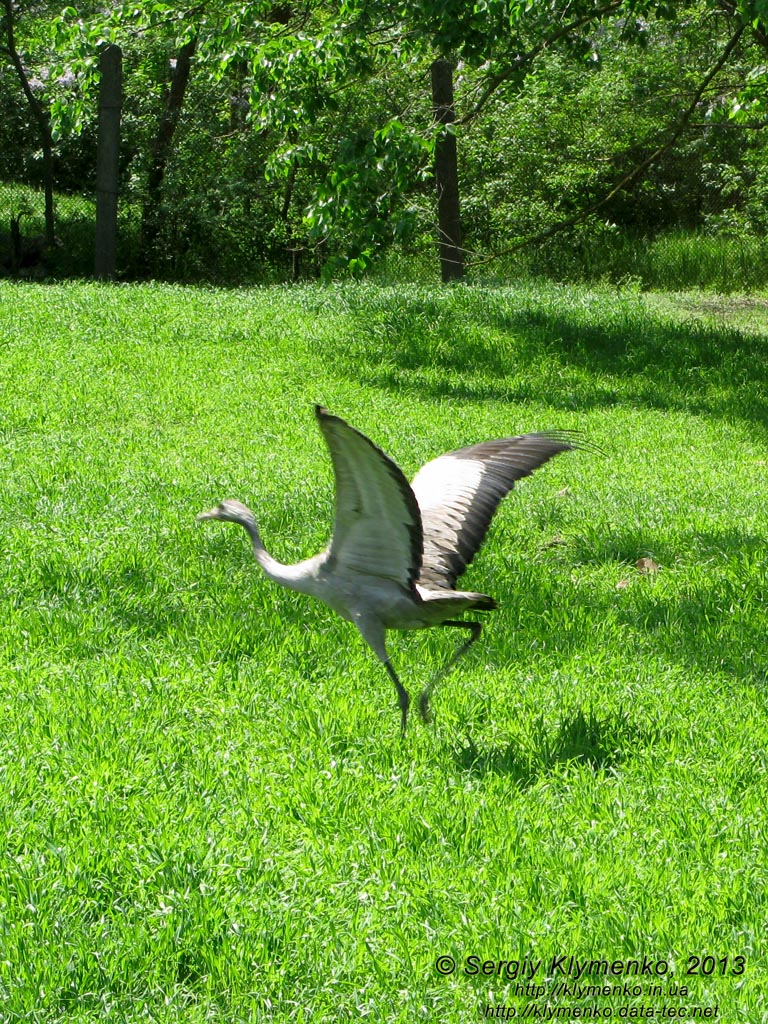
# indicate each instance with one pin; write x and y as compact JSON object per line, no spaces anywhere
{"x":40,"y":115}
{"x":346,"y":133}
{"x":301,"y":60}
{"x":161,"y":146}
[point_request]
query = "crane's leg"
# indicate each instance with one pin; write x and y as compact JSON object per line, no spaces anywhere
{"x":402,"y":695}
{"x":374,"y":634}
{"x":476,"y":629}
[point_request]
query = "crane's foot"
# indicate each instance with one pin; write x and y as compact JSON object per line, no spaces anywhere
{"x":405,"y":702}
{"x":402,"y":696}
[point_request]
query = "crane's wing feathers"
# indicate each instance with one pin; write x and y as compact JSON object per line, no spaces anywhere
{"x":377,"y":526}
{"x":458,"y":494}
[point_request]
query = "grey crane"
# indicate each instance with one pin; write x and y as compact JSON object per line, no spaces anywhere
{"x":398,"y":548}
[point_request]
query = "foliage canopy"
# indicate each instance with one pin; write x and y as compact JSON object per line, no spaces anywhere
{"x":308,"y":129}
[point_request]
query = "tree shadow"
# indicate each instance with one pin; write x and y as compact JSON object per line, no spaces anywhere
{"x":101,"y":604}
{"x":624,"y":543}
{"x":560,"y":356}
{"x":705,"y":617}
{"x":585,"y":738}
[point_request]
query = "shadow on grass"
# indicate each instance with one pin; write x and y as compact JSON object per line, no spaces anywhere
{"x":705,"y":610}
{"x":97,"y":605}
{"x":566,"y":356}
{"x":582,"y":738}
{"x":623,"y":544}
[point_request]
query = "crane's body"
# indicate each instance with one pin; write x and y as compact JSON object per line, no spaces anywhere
{"x":397,"y":548}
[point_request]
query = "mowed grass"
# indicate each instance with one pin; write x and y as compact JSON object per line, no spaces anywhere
{"x":208,"y":813}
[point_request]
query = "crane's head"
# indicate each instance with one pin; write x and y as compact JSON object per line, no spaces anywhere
{"x":230,"y":511}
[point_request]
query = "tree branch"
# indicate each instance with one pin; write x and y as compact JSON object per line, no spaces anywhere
{"x":525,"y":58}
{"x":679,"y":128}
{"x":40,"y":115}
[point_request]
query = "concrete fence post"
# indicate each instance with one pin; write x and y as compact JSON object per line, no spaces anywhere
{"x":108,"y":159}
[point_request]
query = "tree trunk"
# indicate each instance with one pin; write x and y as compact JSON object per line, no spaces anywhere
{"x":446,"y":174}
{"x":42,"y":119}
{"x":161,"y":148}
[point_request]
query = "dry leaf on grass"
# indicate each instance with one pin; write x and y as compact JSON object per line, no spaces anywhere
{"x":647,"y":565}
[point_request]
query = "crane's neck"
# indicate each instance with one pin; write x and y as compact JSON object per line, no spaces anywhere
{"x":300,"y":576}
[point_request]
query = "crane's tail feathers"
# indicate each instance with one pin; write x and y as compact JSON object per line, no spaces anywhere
{"x":440,"y":601}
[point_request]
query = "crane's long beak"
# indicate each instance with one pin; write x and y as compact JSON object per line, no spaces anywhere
{"x":212,"y":513}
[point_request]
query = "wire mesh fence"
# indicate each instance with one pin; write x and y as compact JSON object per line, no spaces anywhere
{"x":201,"y":209}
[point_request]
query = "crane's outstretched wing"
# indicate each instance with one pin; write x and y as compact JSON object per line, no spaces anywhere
{"x":377,"y":528}
{"x":458,"y":494}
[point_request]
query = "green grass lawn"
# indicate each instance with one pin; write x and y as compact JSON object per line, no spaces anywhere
{"x":208,"y":813}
